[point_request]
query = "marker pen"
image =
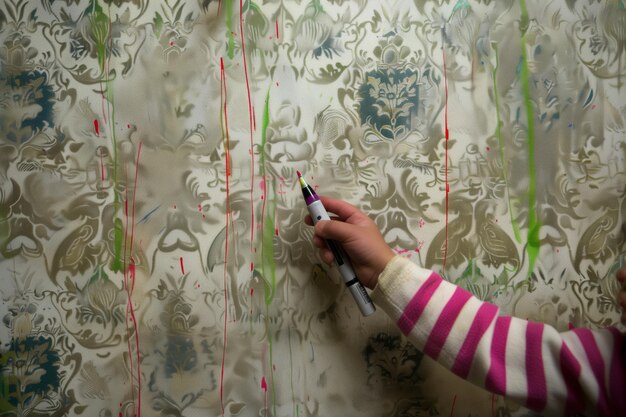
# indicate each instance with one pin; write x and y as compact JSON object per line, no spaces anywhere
{"x":318,"y":212}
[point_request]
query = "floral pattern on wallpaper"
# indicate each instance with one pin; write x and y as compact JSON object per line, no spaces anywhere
{"x":152,"y":251}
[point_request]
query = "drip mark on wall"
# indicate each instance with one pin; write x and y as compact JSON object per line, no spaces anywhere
{"x":251,"y":124}
{"x":228,"y":219}
{"x":534,"y":224}
{"x":129,"y":269}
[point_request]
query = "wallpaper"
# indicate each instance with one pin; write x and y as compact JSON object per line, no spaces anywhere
{"x":153,"y":255}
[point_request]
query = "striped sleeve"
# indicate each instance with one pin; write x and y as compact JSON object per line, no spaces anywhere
{"x":531,"y":363}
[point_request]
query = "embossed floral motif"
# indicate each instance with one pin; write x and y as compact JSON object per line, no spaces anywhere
{"x":390,"y":93}
{"x":27,"y":101}
{"x":389,"y":100}
{"x":29,"y":372}
{"x":391,"y":360}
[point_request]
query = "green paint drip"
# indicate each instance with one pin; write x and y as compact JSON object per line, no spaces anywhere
{"x":268,"y":264}
{"x":100,"y":24}
{"x":229,"y":27}
{"x":119,"y":238}
{"x":99,"y":31}
{"x":514,"y":223}
{"x":534,"y":224}
{"x":119,"y":226}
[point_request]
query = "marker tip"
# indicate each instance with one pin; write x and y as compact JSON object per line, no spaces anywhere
{"x":299,"y":173}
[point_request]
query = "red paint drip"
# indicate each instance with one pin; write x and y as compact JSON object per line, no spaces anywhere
{"x":182,"y":265}
{"x":96,"y":127}
{"x":445,"y":79}
{"x":224,"y":99}
{"x":251,"y":123}
{"x":263,"y":384}
{"x":130,"y":274}
{"x":277,"y":36}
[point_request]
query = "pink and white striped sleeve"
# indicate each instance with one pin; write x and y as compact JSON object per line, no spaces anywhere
{"x":532,"y":363}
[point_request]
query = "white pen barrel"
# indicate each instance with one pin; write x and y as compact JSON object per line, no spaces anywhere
{"x":362,"y":298}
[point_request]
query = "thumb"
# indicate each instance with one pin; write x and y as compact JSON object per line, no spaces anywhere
{"x":334,"y":230}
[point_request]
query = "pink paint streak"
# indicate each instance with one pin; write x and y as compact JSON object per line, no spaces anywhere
{"x":182,"y":266}
{"x":96,"y":127}
{"x":264,"y":388}
{"x":277,"y":35}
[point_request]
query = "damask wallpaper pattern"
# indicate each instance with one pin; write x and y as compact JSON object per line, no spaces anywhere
{"x":153,"y":256}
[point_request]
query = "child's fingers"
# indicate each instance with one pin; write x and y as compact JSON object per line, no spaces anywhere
{"x":339,"y":207}
{"x":318,"y":242}
{"x":308,"y":220}
{"x":326,"y":255}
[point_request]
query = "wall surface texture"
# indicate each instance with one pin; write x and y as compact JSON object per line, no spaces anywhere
{"x":153,"y":258}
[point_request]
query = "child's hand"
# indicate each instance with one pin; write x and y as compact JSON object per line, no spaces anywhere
{"x":358,"y":235}
{"x":621,"y":298}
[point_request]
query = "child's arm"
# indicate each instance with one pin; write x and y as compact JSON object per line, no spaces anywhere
{"x":528,"y":362}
